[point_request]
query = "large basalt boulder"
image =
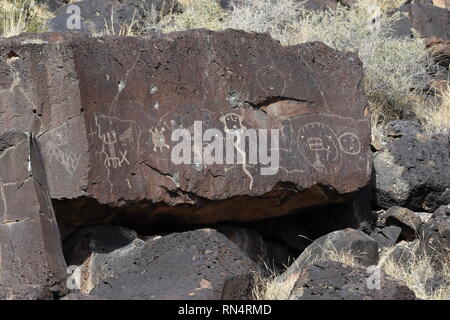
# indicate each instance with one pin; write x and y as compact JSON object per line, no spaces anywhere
{"x":411,"y":170}
{"x":196,"y":265}
{"x":106,"y":109}
{"x":330,"y":280}
{"x":31,"y":261}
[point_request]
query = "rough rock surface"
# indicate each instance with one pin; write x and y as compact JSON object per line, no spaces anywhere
{"x":411,"y":170}
{"x":386,"y":236}
{"x":407,"y":220}
{"x":248,"y":240}
{"x":363,"y":247}
{"x":331,"y":280}
{"x":98,"y":16}
{"x":79,"y":246}
{"x":104,"y":110}
{"x":439,"y":50}
{"x":25,"y":292}
{"x":31,"y":261}
{"x":427,"y":19}
{"x":436,"y":235}
{"x":404,"y":252}
{"x":200,"y":264}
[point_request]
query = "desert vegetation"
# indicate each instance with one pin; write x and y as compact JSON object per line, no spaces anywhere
{"x":410,"y":165}
{"x":397,"y":69}
{"x":416,"y":272}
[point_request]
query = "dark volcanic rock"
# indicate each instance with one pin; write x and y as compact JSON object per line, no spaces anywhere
{"x":98,"y":16}
{"x":403,"y":253}
{"x":79,"y":296}
{"x":430,"y":20}
{"x":436,"y":235}
{"x":31,"y":261}
{"x":201,"y":264}
{"x":355,"y":242}
{"x":439,"y":50}
{"x":107,"y":110}
{"x":25,"y":292}
{"x":101,"y":238}
{"x":424,"y":17}
{"x":412,"y":169}
{"x":407,"y":220}
{"x":386,"y":236}
{"x":248,"y":240}
{"x":331,"y":280}
{"x":442,"y":211}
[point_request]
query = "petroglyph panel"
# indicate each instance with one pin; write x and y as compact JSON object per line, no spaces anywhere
{"x":134,"y":92}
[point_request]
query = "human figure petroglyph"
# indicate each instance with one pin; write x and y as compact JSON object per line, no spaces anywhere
{"x":112,"y":160}
{"x":115,"y":156}
{"x":233,"y":125}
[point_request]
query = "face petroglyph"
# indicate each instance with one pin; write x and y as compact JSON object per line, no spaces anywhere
{"x":349,"y":143}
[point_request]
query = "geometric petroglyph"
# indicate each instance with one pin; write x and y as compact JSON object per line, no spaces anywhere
{"x":319,"y":145}
{"x":57,"y":149}
{"x":349,"y":143}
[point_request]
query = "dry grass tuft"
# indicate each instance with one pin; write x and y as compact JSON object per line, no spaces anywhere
{"x":18,"y":16}
{"x":389,"y":5}
{"x":435,"y":114}
{"x":415,"y":274}
{"x":196,"y":14}
{"x":419,"y":271}
{"x":270,"y":286}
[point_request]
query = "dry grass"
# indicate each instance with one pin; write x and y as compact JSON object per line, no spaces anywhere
{"x":18,"y":16}
{"x":196,"y":14}
{"x":389,"y":5}
{"x":414,"y":274}
{"x":418,"y":270}
{"x":126,"y":29}
{"x":396,"y":69}
{"x":270,"y":286}
{"x":435,"y":114}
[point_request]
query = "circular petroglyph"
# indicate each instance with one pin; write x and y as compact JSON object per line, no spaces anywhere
{"x":349,"y":143}
{"x":319,"y":145}
{"x":271,"y":80}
